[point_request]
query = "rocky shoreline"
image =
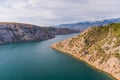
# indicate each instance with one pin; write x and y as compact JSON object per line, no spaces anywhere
{"x":19,"y":32}
{"x":97,"y":46}
{"x":87,"y":63}
{"x":83,"y":60}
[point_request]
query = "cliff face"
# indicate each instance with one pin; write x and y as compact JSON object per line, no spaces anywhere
{"x":98,"y":46}
{"x":17,"y":32}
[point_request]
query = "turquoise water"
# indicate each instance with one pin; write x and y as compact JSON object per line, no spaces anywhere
{"x":36,"y":61}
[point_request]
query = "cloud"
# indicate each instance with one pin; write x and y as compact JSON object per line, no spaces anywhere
{"x":52,"y":12}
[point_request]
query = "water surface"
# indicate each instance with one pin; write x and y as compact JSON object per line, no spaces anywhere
{"x":36,"y":61}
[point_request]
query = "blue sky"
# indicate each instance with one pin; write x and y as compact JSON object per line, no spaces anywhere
{"x":52,"y":12}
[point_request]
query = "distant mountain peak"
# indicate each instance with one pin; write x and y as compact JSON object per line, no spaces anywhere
{"x":86,"y":24}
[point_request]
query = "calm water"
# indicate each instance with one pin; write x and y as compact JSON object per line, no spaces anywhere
{"x":36,"y":61}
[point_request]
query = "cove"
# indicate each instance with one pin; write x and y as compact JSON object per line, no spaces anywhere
{"x":37,"y":61}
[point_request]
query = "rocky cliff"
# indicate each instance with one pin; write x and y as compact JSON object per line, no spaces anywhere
{"x":98,"y":46}
{"x":18,"y":32}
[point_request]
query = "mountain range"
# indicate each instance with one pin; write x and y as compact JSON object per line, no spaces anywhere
{"x":84,"y":25}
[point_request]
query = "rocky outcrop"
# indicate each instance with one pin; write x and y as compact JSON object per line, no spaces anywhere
{"x":17,"y":32}
{"x":98,"y":46}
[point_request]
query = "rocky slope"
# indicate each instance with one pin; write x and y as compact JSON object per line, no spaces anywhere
{"x":18,"y":32}
{"x":84,"y":25}
{"x":98,"y":46}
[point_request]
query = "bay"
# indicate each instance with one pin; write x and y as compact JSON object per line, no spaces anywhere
{"x":37,"y":61}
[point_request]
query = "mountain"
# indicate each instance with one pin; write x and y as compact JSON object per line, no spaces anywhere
{"x":84,"y":25}
{"x":18,"y":32}
{"x":97,"y":46}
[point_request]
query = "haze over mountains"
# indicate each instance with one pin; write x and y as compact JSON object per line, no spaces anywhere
{"x":17,"y":32}
{"x":84,"y":25}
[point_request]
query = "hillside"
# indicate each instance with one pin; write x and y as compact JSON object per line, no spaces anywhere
{"x":19,"y":32}
{"x":98,"y":46}
{"x":84,"y":25}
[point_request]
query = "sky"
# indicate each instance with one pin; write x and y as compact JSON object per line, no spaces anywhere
{"x":54,"y":12}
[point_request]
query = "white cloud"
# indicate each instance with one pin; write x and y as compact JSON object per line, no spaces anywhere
{"x":50,"y":12}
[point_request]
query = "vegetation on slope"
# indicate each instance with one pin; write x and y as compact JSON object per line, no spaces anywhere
{"x":99,"y":46}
